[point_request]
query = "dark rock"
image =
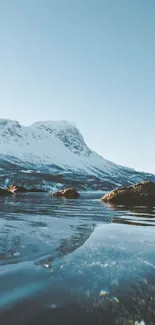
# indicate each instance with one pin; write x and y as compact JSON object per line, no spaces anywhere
{"x":141,"y":193}
{"x":4,"y":192}
{"x":69,"y":193}
{"x":15,"y":189}
{"x":21,"y":189}
{"x":36,"y":190}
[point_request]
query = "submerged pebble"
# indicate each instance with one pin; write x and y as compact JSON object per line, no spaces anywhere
{"x":104,"y":292}
{"x":53,"y":306}
{"x":46,"y":266}
{"x":115,"y":299}
{"x":16,"y":254}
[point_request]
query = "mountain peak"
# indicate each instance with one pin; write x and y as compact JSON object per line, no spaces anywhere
{"x":7,"y":122}
{"x":57,"y":124}
{"x":66,"y":132}
{"x":11,"y":133}
{"x":60,"y":144}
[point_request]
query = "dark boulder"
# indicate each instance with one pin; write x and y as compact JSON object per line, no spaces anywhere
{"x":16,"y":189}
{"x":36,"y":190}
{"x":21,"y":189}
{"x":5,"y":192}
{"x":141,"y":193}
{"x":69,"y":193}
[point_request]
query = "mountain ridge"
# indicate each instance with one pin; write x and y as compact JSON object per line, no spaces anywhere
{"x":62,"y":135}
{"x":51,"y":146}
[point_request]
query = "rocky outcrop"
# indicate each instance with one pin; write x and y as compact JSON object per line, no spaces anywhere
{"x":21,"y":189}
{"x":14,"y":189}
{"x":4,"y":192}
{"x":141,"y":193}
{"x":69,"y":193}
{"x":36,"y":190}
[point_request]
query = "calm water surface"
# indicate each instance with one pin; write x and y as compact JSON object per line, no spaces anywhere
{"x":75,"y":262}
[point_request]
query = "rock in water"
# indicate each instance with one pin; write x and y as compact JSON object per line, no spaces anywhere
{"x":69,"y":193}
{"x":21,"y":189}
{"x":12,"y":189}
{"x":141,"y":193}
{"x":4,"y":192}
{"x":36,"y":190}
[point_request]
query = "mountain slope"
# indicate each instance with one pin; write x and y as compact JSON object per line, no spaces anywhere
{"x":53,"y":147}
{"x":58,"y":143}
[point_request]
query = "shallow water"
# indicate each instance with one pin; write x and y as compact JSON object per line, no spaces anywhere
{"x":75,"y":261}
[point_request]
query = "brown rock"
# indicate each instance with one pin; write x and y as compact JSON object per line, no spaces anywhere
{"x":141,"y":193}
{"x":69,"y":193}
{"x":12,"y":189}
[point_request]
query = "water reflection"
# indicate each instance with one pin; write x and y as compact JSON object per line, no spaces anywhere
{"x":133,"y":215}
{"x":75,"y":262}
{"x":82,"y":233}
{"x":148,"y":210}
{"x":68,"y":245}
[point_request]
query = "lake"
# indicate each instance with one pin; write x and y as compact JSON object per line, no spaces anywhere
{"x":75,"y":261}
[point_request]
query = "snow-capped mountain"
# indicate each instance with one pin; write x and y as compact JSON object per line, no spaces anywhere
{"x":58,"y":146}
{"x":58,"y":143}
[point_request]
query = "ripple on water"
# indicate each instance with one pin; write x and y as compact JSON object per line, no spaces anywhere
{"x":76,"y":255}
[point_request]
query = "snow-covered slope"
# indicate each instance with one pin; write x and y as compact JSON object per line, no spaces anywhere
{"x":61,"y":145}
{"x":58,"y":143}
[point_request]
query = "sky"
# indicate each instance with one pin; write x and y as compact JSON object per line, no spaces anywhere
{"x":91,"y":62}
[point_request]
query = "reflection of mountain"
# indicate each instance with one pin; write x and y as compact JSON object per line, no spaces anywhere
{"x":83,"y":232}
{"x":11,"y":245}
{"x":69,"y":245}
{"x":8,"y":247}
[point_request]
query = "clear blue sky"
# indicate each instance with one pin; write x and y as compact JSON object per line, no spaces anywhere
{"x":87,"y":61}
